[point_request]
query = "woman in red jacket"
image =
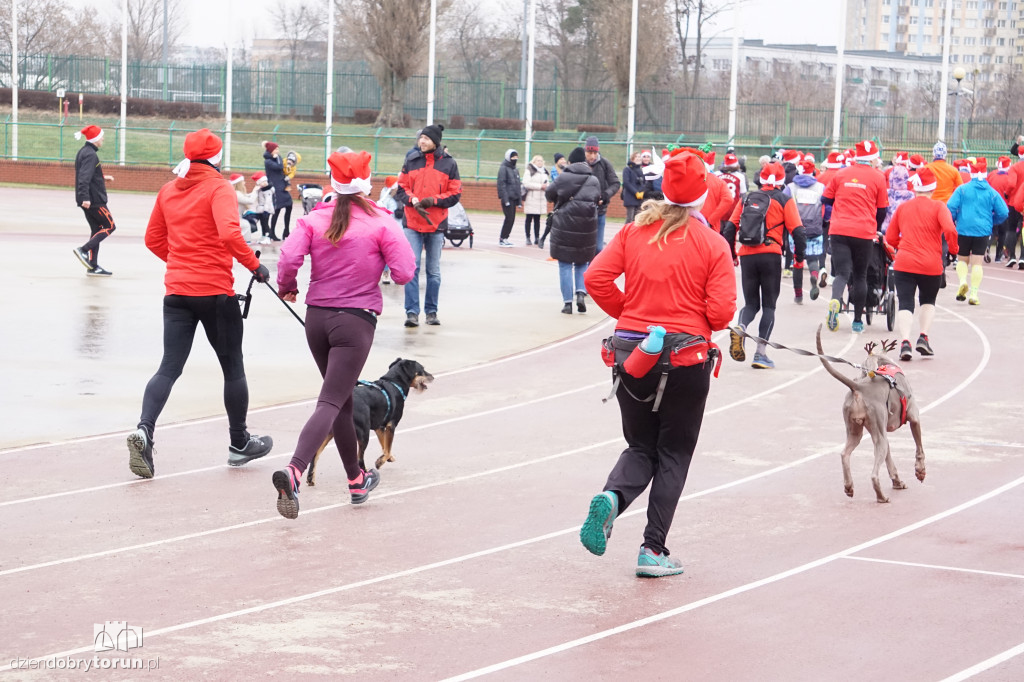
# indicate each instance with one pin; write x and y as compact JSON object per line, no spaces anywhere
{"x":916,"y":231}
{"x":678,"y":275}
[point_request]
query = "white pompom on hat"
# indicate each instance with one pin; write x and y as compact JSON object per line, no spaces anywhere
{"x":90,"y":133}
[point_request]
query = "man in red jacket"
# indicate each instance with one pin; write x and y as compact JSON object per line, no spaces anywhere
{"x":1001,"y":181}
{"x":199,"y":251}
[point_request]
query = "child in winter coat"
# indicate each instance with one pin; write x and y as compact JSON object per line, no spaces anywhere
{"x":535,"y":181}
{"x":246,"y":202}
{"x":263,"y":197}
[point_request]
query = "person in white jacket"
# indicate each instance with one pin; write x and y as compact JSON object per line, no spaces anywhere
{"x":535,"y":181}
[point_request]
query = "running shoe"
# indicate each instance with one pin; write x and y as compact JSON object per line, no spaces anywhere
{"x":140,"y":454}
{"x":987,"y":257}
{"x":814,"y":289}
{"x":581,"y":302}
{"x":736,"y":351}
{"x":798,"y":299}
{"x":596,"y":530}
{"x":761,"y":361}
{"x":823,"y":280}
{"x":412,"y":320}
{"x":787,"y":273}
{"x":961,"y":293}
{"x":432,"y":320}
{"x":286,"y":482}
{"x":1020,"y":264}
{"x":651,"y":565}
{"x":923,"y":347}
{"x":905,"y":351}
{"x":504,"y":243}
{"x":973,"y":300}
{"x":857,"y":327}
{"x":98,"y":272}
{"x":254,"y":448}
{"x":361,"y":491}
{"x":833,"y":315}
{"x":1010,"y":263}
{"x":83,"y":257}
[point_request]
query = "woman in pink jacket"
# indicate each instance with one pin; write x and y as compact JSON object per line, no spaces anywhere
{"x":349,"y":242}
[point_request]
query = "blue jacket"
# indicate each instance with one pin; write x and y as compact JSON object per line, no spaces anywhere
{"x":976,"y":207}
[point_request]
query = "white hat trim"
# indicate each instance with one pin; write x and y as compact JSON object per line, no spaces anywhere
{"x":695,"y":202}
{"x":357,"y":186}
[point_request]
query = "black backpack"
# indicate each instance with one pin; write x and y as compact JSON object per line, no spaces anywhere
{"x":753,"y":227}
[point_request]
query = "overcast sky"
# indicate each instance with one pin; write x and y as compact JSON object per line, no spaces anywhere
{"x":792,"y":21}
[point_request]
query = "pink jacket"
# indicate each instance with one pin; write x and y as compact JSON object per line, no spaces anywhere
{"x":346,"y":275}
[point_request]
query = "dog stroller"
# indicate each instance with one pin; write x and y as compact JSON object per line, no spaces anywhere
{"x":457,"y":229}
{"x":311,"y":196}
{"x":881,"y":298}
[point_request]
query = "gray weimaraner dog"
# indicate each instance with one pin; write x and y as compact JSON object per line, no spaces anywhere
{"x":879,"y":400}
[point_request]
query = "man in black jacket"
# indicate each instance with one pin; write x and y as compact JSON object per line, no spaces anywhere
{"x":510,"y":192}
{"x":91,"y":195}
{"x":609,"y":180}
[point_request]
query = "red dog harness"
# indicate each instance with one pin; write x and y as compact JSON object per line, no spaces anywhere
{"x":889,"y":373}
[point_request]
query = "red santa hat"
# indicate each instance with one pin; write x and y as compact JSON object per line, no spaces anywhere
{"x":792,"y":156}
{"x":848,"y":156}
{"x":684,"y":180}
{"x":916,"y":161}
{"x":807,"y":168}
{"x":202,"y":145}
{"x":1003,"y":163}
{"x":773,"y":174}
{"x":808,"y":157}
{"x":236,"y":178}
{"x":867,"y":150}
{"x":979,"y":168}
{"x":390,"y":181}
{"x":90,"y":133}
{"x":923,"y":180}
{"x":259,"y":176}
{"x":709,"y":160}
{"x":730,"y":160}
{"x":350,"y":172}
{"x":901,"y":159}
{"x":834,"y":160}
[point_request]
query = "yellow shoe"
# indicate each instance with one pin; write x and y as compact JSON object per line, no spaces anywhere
{"x":736,"y":351}
{"x":961,"y":293}
{"x":833,"y":315}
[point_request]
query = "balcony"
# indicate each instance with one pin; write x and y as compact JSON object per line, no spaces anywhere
{"x":990,"y":32}
{"x":903,"y":10}
{"x":879,"y":82}
{"x":901,"y":47}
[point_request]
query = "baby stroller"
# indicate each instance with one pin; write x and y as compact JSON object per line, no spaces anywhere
{"x":881,"y":298}
{"x":457,"y":228}
{"x":311,"y":196}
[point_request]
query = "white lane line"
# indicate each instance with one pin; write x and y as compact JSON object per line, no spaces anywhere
{"x":658,"y":617}
{"x":298,"y":403}
{"x":1008,"y":298}
{"x":420,"y":427}
{"x":1003,"y":279}
{"x":986,"y":664}
{"x":532,"y":462}
{"x":937,"y":567}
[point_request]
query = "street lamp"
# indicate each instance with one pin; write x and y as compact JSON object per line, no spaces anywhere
{"x":958,"y":74}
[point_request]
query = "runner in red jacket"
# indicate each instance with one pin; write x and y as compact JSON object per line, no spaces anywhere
{"x":194,"y":229}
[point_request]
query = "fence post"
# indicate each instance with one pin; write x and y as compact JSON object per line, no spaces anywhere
{"x":376,"y":148}
{"x":501,"y":106}
{"x":789,"y":123}
{"x":478,"y":145}
{"x":906,"y":127}
{"x":106,"y":75}
{"x":60,"y":144}
{"x":170,"y":143}
{"x":557,"y":111}
{"x":672,"y":121}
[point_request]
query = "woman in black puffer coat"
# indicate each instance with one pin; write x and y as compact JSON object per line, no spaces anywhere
{"x":273,"y":166}
{"x":574,"y":226}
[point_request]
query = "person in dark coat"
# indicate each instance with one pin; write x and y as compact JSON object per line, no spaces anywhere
{"x":633,"y":185}
{"x":91,"y":197}
{"x":575,"y":193}
{"x":274,"y":167}
{"x":609,"y":180}
{"x":510,"y":192}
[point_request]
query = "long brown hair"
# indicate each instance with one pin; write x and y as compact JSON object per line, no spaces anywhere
{"x":673,"y":216}
{"x":342,"y":214}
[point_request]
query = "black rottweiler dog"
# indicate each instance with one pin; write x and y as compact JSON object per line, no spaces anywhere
{"x":378,"y":406}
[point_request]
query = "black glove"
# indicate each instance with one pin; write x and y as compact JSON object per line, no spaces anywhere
{"x":261,"y":274}
{"x":427,"y":202}
{"x":950,"y":258}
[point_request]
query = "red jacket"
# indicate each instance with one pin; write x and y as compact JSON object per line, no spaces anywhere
{"x":1017,"y":180}
{"x":435,"y":175}
{"x":1002,"y":182}
{"x":194,"y":229}
{"x":719,"y":202}
{"x":916,"y":231}
{"x":692,"y":290}
{"x":782,"y":213}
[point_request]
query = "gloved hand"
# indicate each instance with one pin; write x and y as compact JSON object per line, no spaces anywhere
{"x":261,"y":274}
{"x":639,"y":195}
{"x":427,"y":202}
{"x":950,"y":258}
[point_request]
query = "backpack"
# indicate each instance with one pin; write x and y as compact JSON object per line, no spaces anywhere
{"x":808,"y":205}
{"x":753,"y":227}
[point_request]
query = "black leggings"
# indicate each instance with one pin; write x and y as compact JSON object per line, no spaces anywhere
{"x":101,"y":226}
{"x":510,"y":219}
{"x":660,"y":444}
{"x":340,"y":342}
{"x":221,"y":318}
{"x":535,"y":219}
{"x":1011,"y":233}
{"x":287,"y":220}
{"x":927,"y":287}
{"x":761,"y":276}
{"x":850,"y":258}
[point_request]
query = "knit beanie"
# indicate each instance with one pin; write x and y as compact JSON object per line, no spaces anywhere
{"x":434,"y":133}
{"x":577,"y":155}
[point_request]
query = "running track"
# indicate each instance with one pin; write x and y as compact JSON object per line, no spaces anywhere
{"x":465,"y":562}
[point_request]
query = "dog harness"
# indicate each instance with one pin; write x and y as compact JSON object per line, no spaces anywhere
{"x":889,"y":373}
{"x":387,"y":415}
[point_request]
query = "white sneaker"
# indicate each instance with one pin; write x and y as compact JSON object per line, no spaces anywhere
{"x":264,"y":240}
{"x":505,"y":243}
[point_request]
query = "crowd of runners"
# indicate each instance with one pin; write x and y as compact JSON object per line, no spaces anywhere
{"x":853,"y":224}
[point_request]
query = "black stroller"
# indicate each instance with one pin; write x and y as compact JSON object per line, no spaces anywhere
{"x":881,"y":298}
{"x":311,"y":196}
{"x":457,"y":228}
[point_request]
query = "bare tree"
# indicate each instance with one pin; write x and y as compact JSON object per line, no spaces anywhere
{"x":300,"y":26}
{"x":612,"y":21}
{"x":146,"y":28}
{"x":691,"y":22}
{"x":569,"y":29}
{"x":475,"y":42}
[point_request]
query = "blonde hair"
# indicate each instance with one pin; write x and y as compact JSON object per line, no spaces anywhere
{"x":536,"y":158}
{"x":673,"y":217}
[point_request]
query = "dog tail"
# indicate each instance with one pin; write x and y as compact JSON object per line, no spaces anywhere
{"x":842,"y":378}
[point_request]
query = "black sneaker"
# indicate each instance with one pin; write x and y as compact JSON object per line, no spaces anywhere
{"x":140,"y":454}
{"x":905,"y":351}
{"x":361,"y":491}
{"x":412,"y":320}
{"x":581,"y":302}
{"x":567,"y":308}
{"x":99,"y":272}
{"x":83,"y":257}
{"x":254,"y":448}
{"x":432,"y":320}
{"x":923,"y":347}
{"x":286,"y":482}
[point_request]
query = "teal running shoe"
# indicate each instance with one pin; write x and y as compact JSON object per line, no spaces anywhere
{"x":598,"y":527}
{"x":857,"y":327}
{"x":651,"y":565}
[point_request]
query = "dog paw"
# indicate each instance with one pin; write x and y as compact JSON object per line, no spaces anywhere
{"x":920,"y":474}
{"x":883,"y":500}
{"x":311,"y":481}
{"x":849,"y":491}
{"x":899,"y":485}
{"x":380,"y":461}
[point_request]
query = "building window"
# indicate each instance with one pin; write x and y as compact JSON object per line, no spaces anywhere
{"x":968,"y":59}
{"x":885,"y":37}
{"x":971,"y":23}
{"x":913,"y":21}
{"x":971,"y":4}
{"x":885,"y":18}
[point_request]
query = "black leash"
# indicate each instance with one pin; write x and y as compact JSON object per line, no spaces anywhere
{"x":798,"y":351}
{"x":285,"y":304}
{"x":246,"y":299}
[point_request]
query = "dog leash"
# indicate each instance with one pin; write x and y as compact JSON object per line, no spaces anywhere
{"x":799,"y":351}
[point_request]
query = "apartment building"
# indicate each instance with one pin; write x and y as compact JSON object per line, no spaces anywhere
{"x":985,"y":38}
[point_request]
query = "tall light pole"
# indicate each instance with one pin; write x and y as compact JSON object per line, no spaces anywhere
{"x":734,"y":75}
{"x":958,"y":75}
{"x":164,"y":51}
{"x":944,"y":77}
{"x":431,"y":66}
{"x":531,"y":27}
{"x":631,"y":105}
{"x":329,"y":104}
{"x":837,"y":104}
{"x":522,"y":62}
{"x":229,"y":88}
{"x":124,"y":78}
{"x":14,"y":79}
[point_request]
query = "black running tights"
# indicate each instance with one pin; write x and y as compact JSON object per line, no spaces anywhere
{"x":850,"y":258}
{"x":761,"y":276}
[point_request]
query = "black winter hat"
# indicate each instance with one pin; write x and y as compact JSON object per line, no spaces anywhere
{"x":434,"y":133}
{"x":559,"y":155}
{"x":577,"y":155}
